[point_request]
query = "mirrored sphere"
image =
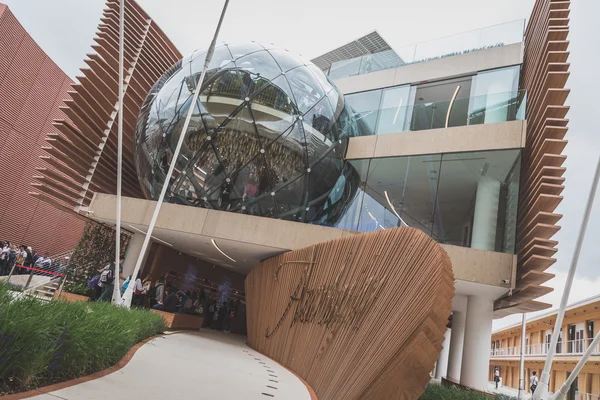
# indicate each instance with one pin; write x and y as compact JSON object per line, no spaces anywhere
{"x":267,"y":136}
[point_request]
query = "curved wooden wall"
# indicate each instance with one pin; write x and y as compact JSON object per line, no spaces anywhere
{"x":361,"y":317}
{"x":82,"y":158}
{"x":544,"y":74}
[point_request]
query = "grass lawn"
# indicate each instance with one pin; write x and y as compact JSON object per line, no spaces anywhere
{"x":44,"y":343}
{"x":437,"y":392}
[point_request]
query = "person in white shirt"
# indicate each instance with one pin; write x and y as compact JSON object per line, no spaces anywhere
{"x":138,"y":293}
{"x":497,"y":377}
{"x":533,"y":382}
{"x":44,"y":262}
{"x":4,"y":250}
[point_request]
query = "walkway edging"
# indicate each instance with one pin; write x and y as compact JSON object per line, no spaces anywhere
{"x":62,"y":385}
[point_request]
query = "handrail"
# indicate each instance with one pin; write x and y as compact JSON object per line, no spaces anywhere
{"x":569,"y":347}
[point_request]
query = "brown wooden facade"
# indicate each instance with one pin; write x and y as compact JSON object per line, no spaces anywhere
{"x":544,"y":75}
{"x":82,"y":158}
{"x":360,"y":317}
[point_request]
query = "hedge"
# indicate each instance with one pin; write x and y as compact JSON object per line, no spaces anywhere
{"x":437,"y":392}
{"x":43,"y":343}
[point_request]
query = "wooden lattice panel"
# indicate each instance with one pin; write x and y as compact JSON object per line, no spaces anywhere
{"x":82,"y":158}
{"x":544,"y":74}
{"x":361,"y":317}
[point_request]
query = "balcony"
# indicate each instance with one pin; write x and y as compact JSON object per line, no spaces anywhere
{"x":498,"y":107}
{"x":462,"y":43}
{"x":568,"y":348}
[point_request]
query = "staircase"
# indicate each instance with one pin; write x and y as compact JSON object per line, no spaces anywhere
{"x":45,"y":292}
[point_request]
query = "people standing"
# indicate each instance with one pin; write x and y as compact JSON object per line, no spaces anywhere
{"x":28,"y":256}
{"x":21,"y":261}
{"x":95,"y":285}
{"x":533,"y":382}
{"x":107,"y":278}
{"x":230,"y":314}
{"x":496,"y":376}
{"x":4,"y":250}
{"x":21,"y":255}
{"x":138,"y":293}
{"x":210,"y":313}
{"x":44,"y":262}
{"x":12,"y":259}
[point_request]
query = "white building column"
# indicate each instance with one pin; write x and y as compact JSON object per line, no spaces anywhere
{"x":441,"y":370}
{"x":485,"y":218}
{"x":457,"y":340}
{"x":476,"y":349}
{"x":133,"y":251}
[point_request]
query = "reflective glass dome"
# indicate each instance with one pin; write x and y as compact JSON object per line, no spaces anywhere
{"x":267,"y":137}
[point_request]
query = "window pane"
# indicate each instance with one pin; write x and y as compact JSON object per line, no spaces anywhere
{"x":394,"y":107}
{"x":477,"y":199}
{"x":492,"y":92}
{"x":404,"y":187}
{"x":366,"y":107}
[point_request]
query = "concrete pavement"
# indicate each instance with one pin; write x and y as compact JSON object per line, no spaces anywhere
{"x":202,"y":365}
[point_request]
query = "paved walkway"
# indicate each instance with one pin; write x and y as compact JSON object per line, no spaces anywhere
{"x":508,"y":391}
{"x":204,"y":365}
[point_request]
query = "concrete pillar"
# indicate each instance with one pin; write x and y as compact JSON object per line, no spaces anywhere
{"x":459,"y":307}
{"x":441,"y":370}
{"x":478,"y":336}
{"x":485,"y":219}
{"x":132,"y":253}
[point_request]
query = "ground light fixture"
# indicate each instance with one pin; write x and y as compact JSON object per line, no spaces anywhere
{"x":220,"y":251}
{"x":126,"y":301}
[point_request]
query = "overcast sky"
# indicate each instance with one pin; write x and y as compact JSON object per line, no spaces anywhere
{"x":65,"y":28}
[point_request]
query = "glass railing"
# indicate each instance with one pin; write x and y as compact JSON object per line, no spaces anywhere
{"x":498,"y":107}
{"x":461,"y":43}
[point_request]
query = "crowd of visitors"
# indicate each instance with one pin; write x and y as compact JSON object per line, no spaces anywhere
{"x":166,"y":297}
{"x":23,"y":255}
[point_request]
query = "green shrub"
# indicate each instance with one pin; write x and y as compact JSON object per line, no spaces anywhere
{"x":77,"y":288}
{"x":41,"y":343}
{"x":437,"y":392}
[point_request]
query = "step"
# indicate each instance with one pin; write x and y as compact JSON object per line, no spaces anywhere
{"x":46,"y":299}
{"x":45,"y":292}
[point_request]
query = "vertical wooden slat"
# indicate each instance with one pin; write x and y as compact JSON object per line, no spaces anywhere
{"x":544,"y":75}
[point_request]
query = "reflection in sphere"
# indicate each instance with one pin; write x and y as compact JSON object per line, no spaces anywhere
{"x":267,"y":136}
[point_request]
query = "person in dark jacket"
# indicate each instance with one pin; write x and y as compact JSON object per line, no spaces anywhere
{"x":170,"y":302}
{"x":12,"y":259}
{"x":209,"y":312}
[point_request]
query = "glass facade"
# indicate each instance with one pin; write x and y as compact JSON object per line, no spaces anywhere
{"x":461,"y":43}
{"x":267,"y":136}
{"x":463,"y":199}
{"x":488,"y":97}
